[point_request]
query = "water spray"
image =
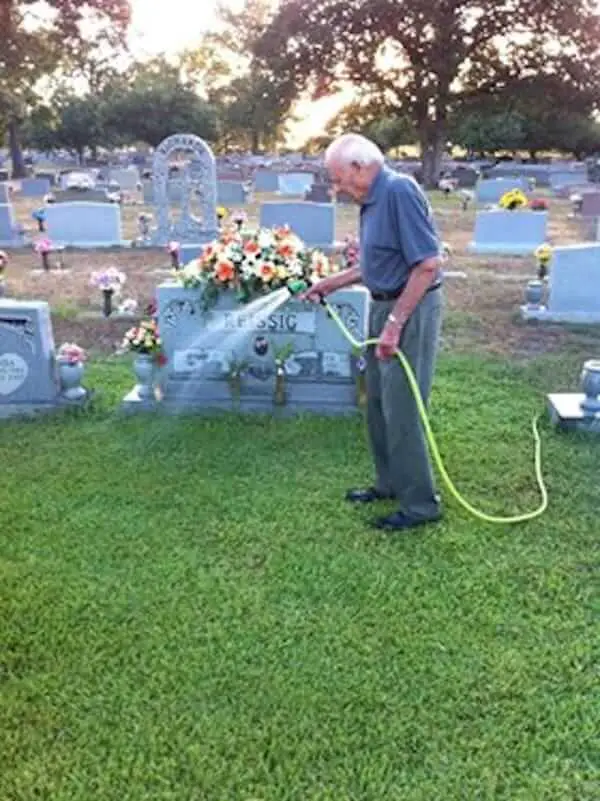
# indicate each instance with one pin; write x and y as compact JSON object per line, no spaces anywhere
{"x":298,"y":286}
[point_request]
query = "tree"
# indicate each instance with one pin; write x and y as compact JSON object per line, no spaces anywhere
{"x":254,"y":98}
{"x":384,"y":127}
{"x":425,"y":58}
{"x":538,"y":113}
{"x":34,"y":44}
{"x":150,"y":102}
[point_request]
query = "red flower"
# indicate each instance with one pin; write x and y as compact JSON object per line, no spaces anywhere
{"x":161,"y":359}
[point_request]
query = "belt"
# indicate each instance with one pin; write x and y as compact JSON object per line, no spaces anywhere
{"x":396,"y":293}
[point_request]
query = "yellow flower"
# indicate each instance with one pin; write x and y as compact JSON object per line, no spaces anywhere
{"x":221,"y":212}
{"x":543,"y":253}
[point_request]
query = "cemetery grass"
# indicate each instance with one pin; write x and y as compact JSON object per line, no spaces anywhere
{"x":190,"y":610}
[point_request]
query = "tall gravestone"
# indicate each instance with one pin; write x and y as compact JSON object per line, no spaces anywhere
{"x":198,"y":189}
{"x":28,"y":377}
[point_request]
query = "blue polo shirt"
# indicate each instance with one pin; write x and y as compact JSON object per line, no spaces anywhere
{"x":397,"y":231}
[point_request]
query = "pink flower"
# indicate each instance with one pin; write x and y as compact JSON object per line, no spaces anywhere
{"x":71,"y":353}
{"x":43,"y":246}
{"x":173,"y":247}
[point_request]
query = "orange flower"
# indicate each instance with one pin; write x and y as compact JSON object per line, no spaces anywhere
{"x":251,"y":247}
{"x":225,"y":271}
{"x":267,"y":272}
{"x":286,"y":251}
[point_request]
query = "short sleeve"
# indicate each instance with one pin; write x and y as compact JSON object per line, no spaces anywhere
{"x":412,"y":219}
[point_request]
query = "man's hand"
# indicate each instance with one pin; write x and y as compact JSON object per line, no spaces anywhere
{"x":388,"y":340}
{"x":317,"y":291}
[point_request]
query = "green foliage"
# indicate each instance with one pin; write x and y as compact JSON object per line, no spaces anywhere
{"x":423,"y":59}
{"x":190,"y":610}
{"x":151,"y":102}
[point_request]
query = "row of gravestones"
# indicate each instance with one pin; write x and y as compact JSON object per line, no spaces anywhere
{"x":320,"y":369}
{"x":205,"y":351}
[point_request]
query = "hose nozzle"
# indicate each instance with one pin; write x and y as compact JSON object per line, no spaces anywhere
{"x":298,"y":285}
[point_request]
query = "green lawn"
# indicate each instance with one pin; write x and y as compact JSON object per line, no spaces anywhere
{"x":189,"y":610}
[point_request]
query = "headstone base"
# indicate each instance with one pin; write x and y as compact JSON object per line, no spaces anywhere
{"x":28,"y":410}
{"x":546,"y":315}
{"x":502,"y":248}
{"x":566,"y":413}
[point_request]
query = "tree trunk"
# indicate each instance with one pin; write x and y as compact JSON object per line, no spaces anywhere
{"x":16,"y":153}
{"x":432,"y":152}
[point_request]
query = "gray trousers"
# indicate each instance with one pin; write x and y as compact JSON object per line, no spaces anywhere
{"x":398,"y":443}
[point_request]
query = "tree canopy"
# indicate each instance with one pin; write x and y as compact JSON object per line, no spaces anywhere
{"x":427,"y":60}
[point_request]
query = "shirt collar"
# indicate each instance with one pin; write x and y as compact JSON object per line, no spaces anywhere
{"x":376,"y":187}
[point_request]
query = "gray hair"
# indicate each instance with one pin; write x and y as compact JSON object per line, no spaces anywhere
{"x":354,"y":148}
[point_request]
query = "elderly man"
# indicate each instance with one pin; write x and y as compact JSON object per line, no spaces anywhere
{"x":400,"y":266}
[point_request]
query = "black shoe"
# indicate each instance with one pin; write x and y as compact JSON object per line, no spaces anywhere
{"x":399,"y":521}
{"x":367,"y":495}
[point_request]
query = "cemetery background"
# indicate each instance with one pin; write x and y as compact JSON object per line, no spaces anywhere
{"x":193,"y":592}
{"x":188,"y":609}
{"x":482,"y":311}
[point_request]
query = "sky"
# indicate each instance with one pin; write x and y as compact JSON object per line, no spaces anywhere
{"x":167,"y":26}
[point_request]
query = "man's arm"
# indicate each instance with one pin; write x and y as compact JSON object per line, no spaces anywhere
{"x":420,"y":247}
{"x":420,"y":279}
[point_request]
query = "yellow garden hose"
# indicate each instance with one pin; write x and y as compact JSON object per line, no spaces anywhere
{"x":433,"y":445}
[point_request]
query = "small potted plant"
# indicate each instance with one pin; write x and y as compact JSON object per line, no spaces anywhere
{"x":109,"y":282}
{"x":174,"y":250}
{"x":538,"y":204}
{"x":144,"y":221}
{"x":513,"y":200}
{"x":350,"y":253}
{"x":239,"y":218}
{"x":70,"y":360}
{"x":221,"y":214}
{"x":144,"y":340}
{"x":44,"y":248}
{"x":39,"y":215}
{"x":3,"y":266}
{"x":543,"y":257}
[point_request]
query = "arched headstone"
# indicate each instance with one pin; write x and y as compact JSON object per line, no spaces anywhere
{"x":198,"y":184}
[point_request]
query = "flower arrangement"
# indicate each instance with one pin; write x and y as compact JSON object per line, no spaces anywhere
{"x":513,"y":199}
{"x":253,"y":263}
{"x":128,"y":306}
{"x":538,"y":204}
{"x":109,"y":280}
{"x":543,"y":256}
{"x":174,"y":251}
{"x":71,"y":353}
{"x":43,"y":248}
{"x":239,"y":218}
{"x":350,"y":253}
{"x":39,"y":215}
{"x":145,"y":339}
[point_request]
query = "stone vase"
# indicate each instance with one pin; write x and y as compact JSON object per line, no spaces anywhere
{"x":107,"y":299}
{"x":280,"y":394}
{"x":144,"y":368}
{"x":534,"y":293}
{"x":70,"y":375}
{"x":590,"y":384}
{"x":235,"y":387}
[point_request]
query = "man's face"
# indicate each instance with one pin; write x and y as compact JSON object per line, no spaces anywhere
{"x":353,"y":179}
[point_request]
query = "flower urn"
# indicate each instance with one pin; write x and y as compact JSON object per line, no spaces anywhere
{"x":534,"y":292}
{"x":590,"y":384}
{"x":144,"y":368}
{"x":70,"y":374}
